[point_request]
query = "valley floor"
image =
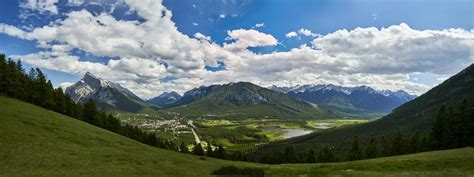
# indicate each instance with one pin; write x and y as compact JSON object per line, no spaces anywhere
{"x":37,"y":142}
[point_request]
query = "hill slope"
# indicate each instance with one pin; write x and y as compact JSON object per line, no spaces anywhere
{"x":244,"y":99}
{"x":35,"y":141}
{"x":414,"y":116}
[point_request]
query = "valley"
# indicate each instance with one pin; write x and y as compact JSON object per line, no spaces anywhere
{"x":42,"y":142}
{"x":233,"y":134}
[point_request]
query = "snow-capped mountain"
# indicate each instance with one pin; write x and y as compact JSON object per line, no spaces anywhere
{"x":361,"y":98}
{"x":165,"y":99}
{"x":107,"y":94}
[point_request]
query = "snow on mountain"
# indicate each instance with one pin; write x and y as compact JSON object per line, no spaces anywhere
{"x":98,"y":89}
{"x":165,"y":99}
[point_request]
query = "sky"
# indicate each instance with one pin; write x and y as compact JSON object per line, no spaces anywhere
{"x":152,"y":46}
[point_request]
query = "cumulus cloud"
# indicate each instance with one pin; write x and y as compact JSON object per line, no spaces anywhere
{"x":249,"y":38}
{"x":291,"y":34}
{"x":222,"y":16}
{"x":146,"y":51}
{"x":306,"y":32}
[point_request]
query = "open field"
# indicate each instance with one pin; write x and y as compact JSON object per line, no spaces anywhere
{"x":35,"y":141}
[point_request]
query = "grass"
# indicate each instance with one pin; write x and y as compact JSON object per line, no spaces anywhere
{"x":37,"y":142}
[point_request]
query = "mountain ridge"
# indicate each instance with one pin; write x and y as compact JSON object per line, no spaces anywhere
{"x":108,"y":95}
{"x":357,"y":99}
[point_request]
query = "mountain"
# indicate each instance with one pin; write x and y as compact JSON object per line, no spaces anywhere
{"x":38,"y":142}
{"x":108,"y":95}
{"x":414,"y":116}
{"x":165,"y":99}
{"x":362,"y":99}
{"x":244,"y":99}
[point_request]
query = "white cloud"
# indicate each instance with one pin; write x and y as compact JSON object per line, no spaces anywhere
{"x":306,"y":32}
{"x":64,"y":85}
{"x":201,"y":36}
{"x":249,"y":38}
{"x":222,"y":16}
{"x":42,"y":6}
{"x":146,"y":51}
{"x":259,"y":25}
{"x":291,"y":34}
{"x":195,"y":24}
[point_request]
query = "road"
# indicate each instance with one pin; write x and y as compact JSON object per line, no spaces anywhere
{"x":196,"y":137}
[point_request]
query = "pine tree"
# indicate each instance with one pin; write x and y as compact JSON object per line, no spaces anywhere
{"x":209,"y":152}
{"x":372,"y":151}
{"x":413,"y":147}
{"x":220,"y":152}
{"x":183,"y":148}
{"x":198,"y":149}
{"x":90,"y":111}
{"x":3,"y":71}
{"x":311,"y":157}
{"x":385,"y":146}
{"x":398,"y":143}
{"x":355,"y":152}
{"x":438,"y":131}
{"x":326,"y":154}
{"x":289,"y":154}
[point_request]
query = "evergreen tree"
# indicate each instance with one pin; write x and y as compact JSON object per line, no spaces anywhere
{"x":198,"y":149}
{"x":398,"y":143}
{"x":413,"y":147}
{"x":438,"y":131}
{"x":289,"y":154}
{"x":90,"y":111}
{"x":311,"y":157}
{"x":326,"y":154}
{"x":355,"y":152}
{"x":385,"y":146}
{"x":220,"y":152}
{"x":183,"y":148}
{"x":209,"y":152}
{"x":371,"y":151}
{"x":151,"y":140}
{"x":3,"y":71}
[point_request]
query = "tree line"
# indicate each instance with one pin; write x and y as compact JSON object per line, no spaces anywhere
{"x":33,"y":87}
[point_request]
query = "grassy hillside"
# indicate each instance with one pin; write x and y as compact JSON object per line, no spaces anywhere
{"x":35,"y":141}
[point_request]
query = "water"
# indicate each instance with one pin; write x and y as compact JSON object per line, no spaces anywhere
{"x":294,"y":132}
{"x":323,"y":125}
{"x":289,"y":132}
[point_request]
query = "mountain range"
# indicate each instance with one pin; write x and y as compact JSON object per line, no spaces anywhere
{"x":361,"y":99}
{"x":165,"y":99}
{"x":244,"y":99}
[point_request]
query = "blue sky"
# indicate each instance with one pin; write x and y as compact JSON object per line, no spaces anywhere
{"x":214,"y":18}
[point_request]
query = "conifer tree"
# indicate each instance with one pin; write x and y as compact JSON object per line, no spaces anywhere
{"x":209,"y":152}
{"x":355,"y":152}
{"x":311,"y":157}
{"x":198,"y":149}
{"x":372,"y":150}
{"x":90,"y":111}
{"x":183,"y":148}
